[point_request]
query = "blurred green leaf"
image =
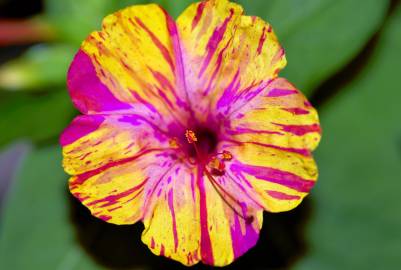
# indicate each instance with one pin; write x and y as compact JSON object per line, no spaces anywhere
{"x":41,"y":67}
{"x":357,"y":221}
{"x":36,"y":232}
{"x":174,"y":8}
{"x":319,"y":36}
{"x":38,"y":117}
{"x":11,"y":158}
{"x":74,"y":20}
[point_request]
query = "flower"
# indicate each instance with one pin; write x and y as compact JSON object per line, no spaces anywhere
{"x":187,"y":127}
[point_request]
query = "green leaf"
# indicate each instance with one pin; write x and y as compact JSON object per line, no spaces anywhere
{"x":36,"y":232}
{"x":356,"y":223}
{"x":41,"y":67}
{"x":174,"y":8}
{"x":74,"y":20}
{"x":37,"y":117}
{"x":319,"y":36}
{"x":11,"y":158}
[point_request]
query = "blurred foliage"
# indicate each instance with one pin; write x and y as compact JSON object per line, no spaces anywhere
{"x":356,"y":220}
{"x":36,"y":232}
{"x":41,"y":67}
{"x":34,"y":117}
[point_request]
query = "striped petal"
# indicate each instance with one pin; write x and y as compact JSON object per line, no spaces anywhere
{"x":190,"y":222}
{"x":130,"y":66}
{"x":172,"y":220}
{"x":226,"y":233}
{"x":271,"y":138}
{"x":110,"y":159}
{"x":225,"y":52}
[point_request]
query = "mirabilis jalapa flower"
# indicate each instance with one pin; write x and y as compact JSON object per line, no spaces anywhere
{"x":187,"y":127}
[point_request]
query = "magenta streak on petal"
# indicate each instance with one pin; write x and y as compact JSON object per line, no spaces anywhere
{"x":296,"y":111}
{"x":80,"y":197}
{"x":164,"y":51}
{"x":205,"y":244}
{"x":218,"y":65}
{"x":113,"y":199}
{"x":161,"y":250}
{"x":87,"y":91}
{"x":164,"y":97}
{"x":104,"y":217}
{"x":300,"y":130}
{"x":282,"y":196}
{"x":301,"y":151}
{"x":275,"y":176}
{"x":163,"y":81}
{"x":171,"y":206}
{"x":152,"y":243}
{"x":261,"y":41}
{"x":181,"y":83}
{"x":115,"y":208}
{"x":136,"y":120}
{"x":238,"y":131}
{"x":242,"y":241}
{"x":214,"y":42}
{"x":228,"y":93}
{"x":247,"y":193}
{"x":81,"y":178}
{"x":276,"y":92}
{"x":144,"y":102}
{"x":198,"y":16}
{"x":80,"y":127}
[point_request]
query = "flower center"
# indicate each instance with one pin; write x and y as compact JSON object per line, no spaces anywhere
{"x":213,"y":165}
{"x":206,"y":142}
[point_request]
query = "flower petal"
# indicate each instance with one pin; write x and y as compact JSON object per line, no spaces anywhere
{"x":130,"y":67}
{"x":93,"y":141}
{"x":172,"y":217}
{"x":271,"y":137}
{"x":224,"y":234}
{"x":189,"y":222}
{"x":225,"y":52}
{"x":277,"y":179}
{"x":277,"y":116}
{"x":112,"y":159}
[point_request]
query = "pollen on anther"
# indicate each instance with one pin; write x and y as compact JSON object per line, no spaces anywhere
{"x":191,"y":136}
{"x":174,"y":143}
{"x":227,"y":155}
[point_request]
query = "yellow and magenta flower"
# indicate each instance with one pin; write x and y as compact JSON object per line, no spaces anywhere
{"x":187,"y":127}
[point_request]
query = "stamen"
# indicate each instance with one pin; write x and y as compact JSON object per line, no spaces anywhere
{"x":227,"y":155}
{"x":174,"y":143}
{"x":216,"y":163}
{"x":191,"y":137}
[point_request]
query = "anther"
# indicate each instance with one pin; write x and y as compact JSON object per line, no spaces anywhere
{"x":217,"y":166}
{"x":174,"y":143}
{"x":191,"y":136}
{"x":227,"y":155}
